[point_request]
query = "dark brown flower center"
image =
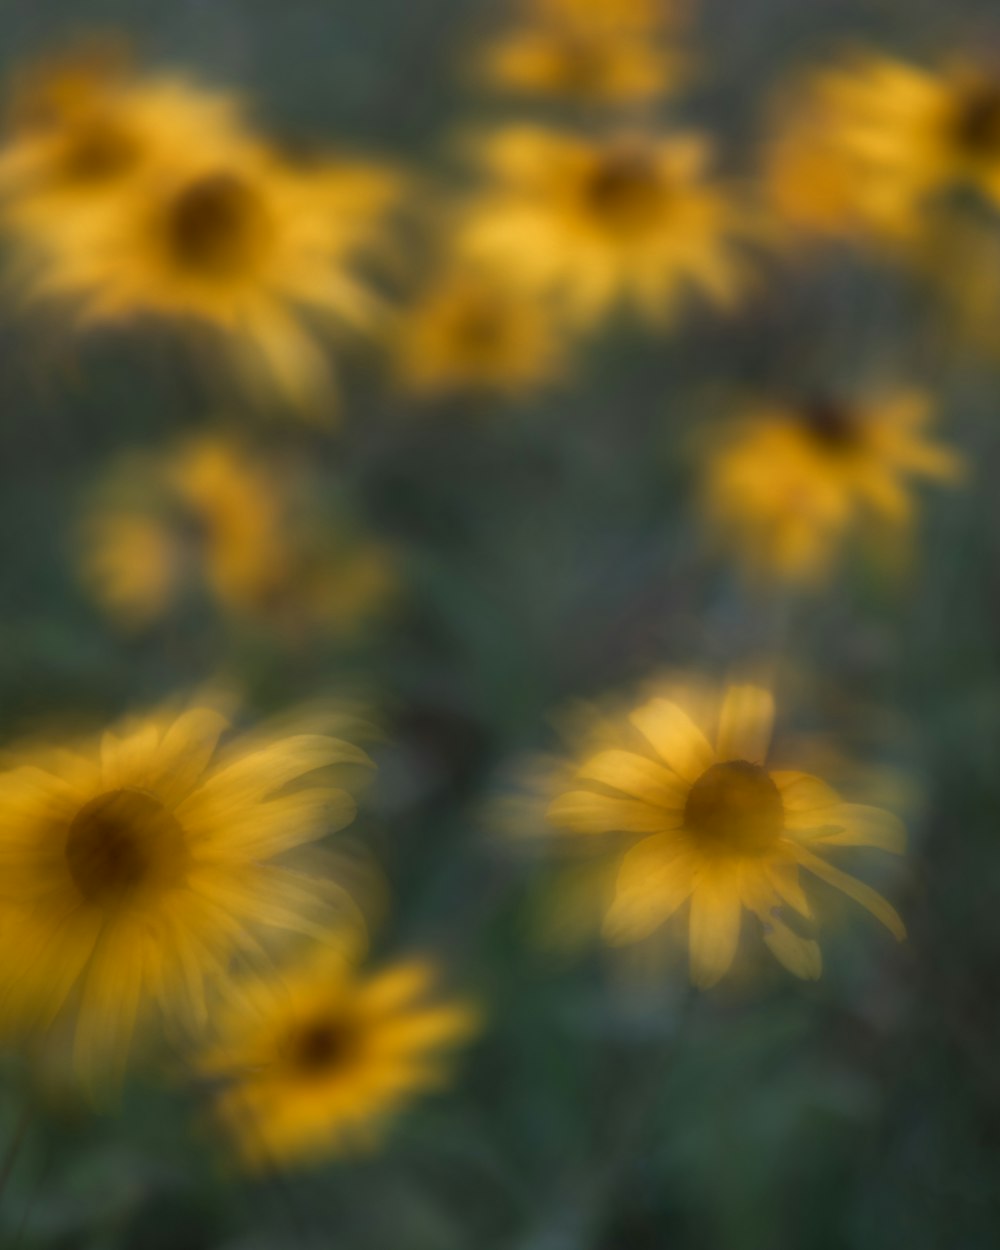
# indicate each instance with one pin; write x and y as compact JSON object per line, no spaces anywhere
{"x":833,"y":425}
{"x":479,"y":327}
{"x":735,"y":808}
{"x":120,"y":843}
{"x":215,"y":226}
{"x":977,"y":122}
{"x":626,"y":193}
{"x":322,"y":1045}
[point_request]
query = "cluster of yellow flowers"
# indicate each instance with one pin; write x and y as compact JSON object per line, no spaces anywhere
{"x":148,"y":876}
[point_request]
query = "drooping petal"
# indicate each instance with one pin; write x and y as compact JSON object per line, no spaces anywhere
{"x":870,"y":899}
{"x":856,"y":824}
{"x":784,"y":880}
{"x":716,"y":914}
{"x":801,"y":956}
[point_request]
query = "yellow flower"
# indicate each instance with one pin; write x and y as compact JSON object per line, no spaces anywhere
{"x":85,"y":127}
{"x":212,"y":515}
{"x":226,"y":238}
{"x":210,"y":509}
{"x":787,"y":484}
{"x":871,"y":141}
{"x":580,"y":60}
{"x":317,"y":1061}
{"x":710,"y":823}
{"x":136,"y":868}
{"x":595,"y":222}
{"x":472,"y":330}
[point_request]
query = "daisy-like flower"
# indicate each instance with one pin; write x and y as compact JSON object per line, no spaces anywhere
{"x":471,"y":330}
{"x":83,"y":127}
{"x":875,"y":139}
{"x":707,"y":822}
{"x":592,"y":223}
{"x":318,"y":1061}
{"x":136,"y":868}
{"x":211,"y":515}
{"x":787,"y":485}
{"x":814,"y":184}
{"x":225,"y":238}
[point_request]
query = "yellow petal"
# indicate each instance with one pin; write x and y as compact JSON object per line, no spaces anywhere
{"x":855,"y":824}
{"x":643,"y":779}
{"x":716,"y":913}
{"x":745,"y":724}
{"x":853,"y":888}
{"x":801,"y":956}
{"x":655,"y":878}
{"x":675,"y":738}
{"x":584,"y":811}
{"x":802,"y":793}
{"x":186,"y":749}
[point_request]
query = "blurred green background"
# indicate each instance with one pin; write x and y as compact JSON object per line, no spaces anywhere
{"x":550,"y":550}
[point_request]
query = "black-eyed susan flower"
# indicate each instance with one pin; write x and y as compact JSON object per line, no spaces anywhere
{"x":815,"y":186}
{"x":871,"y":141}
{"x":704,"y":822}
{"x":319,"y":1060}
{"x":211,"y":516}
{"x":590,"y":223}
{"x":784,"y":486}
{"x":138,"y":866}
{"x":472,"y":330}
{"x":82,"y":128}
{"x":223,"y":237}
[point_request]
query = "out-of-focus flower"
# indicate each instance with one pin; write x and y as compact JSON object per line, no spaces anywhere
{"x":786,"y":485}
{"x":212,"y":515}
{"x":591,"y":223}
{"x":82,"y":127}
{"x":194,"y":221}
{"x":580,"y":60}
{"x":136,"y":867}
{"x":472,"y":330}
{"x":704,"y":819}
{"x":868,"y":143}
{"x":317,"y":1061}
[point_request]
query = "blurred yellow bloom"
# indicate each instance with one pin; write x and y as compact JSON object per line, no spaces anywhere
{"x":591,"y":223}
{"x":84,"y":126}
{"x":872,"y":140}
{"x":212,"y":515}
{"x":136,"y":867}
{"x":709,"y":823}
{"x":580,"y":60}
{"x":473,"y":330}
{"x":785,"y":486}
{"x":194,"y":221}
{"x":317,"y":1061}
